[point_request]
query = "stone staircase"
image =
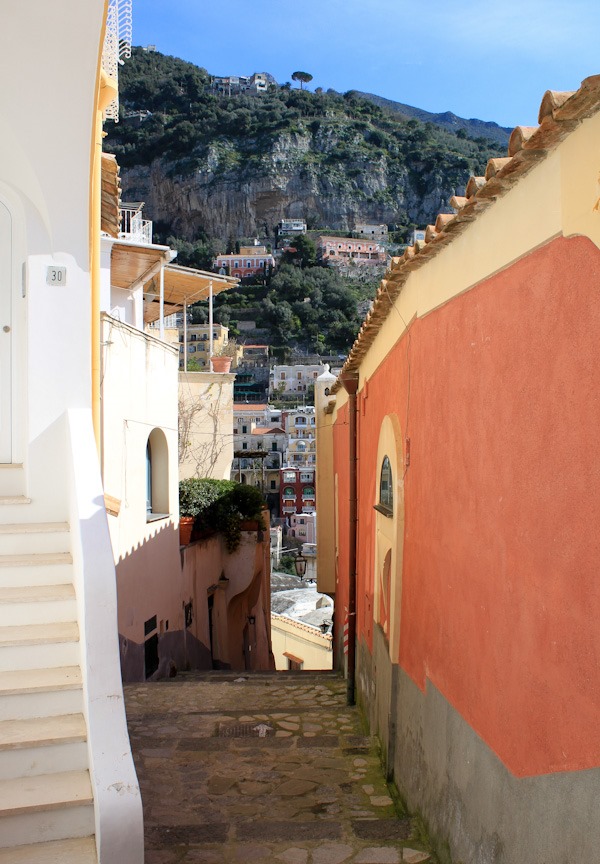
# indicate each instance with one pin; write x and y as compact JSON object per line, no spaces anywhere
{"x":46,"y":799}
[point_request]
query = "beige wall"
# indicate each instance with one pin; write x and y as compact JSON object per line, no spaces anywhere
{"x":231,"y":592}
{"x":205,"y":424}
{"x":139,"y":395}
{"x":302,"y":641}
{"x":139,"y":401}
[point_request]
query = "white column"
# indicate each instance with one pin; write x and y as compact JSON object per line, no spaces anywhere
{"x":210,"y":322}
{"x":162,"y":303}
{"x":185,"y":351}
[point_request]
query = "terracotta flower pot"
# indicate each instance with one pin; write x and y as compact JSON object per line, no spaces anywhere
{"x":186,"y":526}
{"x":221,"y":364}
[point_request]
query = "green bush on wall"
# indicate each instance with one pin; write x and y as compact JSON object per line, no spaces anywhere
{"x":221,"y":506}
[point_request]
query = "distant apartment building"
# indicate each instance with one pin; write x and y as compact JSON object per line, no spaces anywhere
{"x":345,"y":250}
{"x":198,"y":345}
{"x":246,"y":417}
{"x":285,"y":380}
{"x":249,"y":261}
{"x":303,"y":526}
{"x":367,"y":230}
{"x":234,"y":85}
{"x":299,"y":425}
{"x":259,"y":448}
{"x":229,"y":85}
{"x":290,"y":227}
{"x":297,"y":491}
{"x":259,"y":82}
{"x":255,"y":355}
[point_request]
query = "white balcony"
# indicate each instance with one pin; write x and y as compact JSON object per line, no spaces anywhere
{"x":133,"y":226}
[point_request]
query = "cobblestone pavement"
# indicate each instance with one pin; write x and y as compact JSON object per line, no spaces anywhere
{"x":269,"y":769}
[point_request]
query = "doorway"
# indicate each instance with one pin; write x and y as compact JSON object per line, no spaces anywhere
{"x":5,"y":335}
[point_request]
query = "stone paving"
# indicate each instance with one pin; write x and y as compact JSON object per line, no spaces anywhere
{"x":267,"y":768}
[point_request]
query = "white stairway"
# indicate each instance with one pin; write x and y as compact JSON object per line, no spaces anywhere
{"x":46,"y":801}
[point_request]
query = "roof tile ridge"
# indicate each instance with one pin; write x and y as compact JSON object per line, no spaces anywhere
{"x":560,"y":113}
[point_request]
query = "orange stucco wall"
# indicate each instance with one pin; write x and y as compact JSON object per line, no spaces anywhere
{"x":498,"y":392}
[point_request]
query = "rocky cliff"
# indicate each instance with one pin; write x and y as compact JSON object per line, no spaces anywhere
{"x":235,"y":167}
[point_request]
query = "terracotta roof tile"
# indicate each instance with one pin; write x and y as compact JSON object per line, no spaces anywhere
{"x":457,"y":202}
{"x":110,"y":195}
{"x":495,"y":165}
{"x":519,"y":137}
{"x":474,"y":185}
{"x":552,"y":100}
{"x":560,"y":113}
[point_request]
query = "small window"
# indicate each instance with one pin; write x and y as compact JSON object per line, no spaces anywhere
{"x":273,"y":484}
{"x":157,"y":476}
{"x":386,"y":489}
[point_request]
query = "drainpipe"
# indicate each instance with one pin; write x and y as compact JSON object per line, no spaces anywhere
{"x":185,"y":336}
{"x":107,"y":91}
{"x":210,"y":324}
{"x":350,"y":383}
{"x":161,"y":299}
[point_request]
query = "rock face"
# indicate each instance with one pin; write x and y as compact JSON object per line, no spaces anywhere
{"x":315,"y":177}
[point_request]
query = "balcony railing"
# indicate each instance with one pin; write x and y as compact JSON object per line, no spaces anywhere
{"x":134,"y":227}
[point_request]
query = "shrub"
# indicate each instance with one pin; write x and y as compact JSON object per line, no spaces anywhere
{"x":196,"y":494}
{"x":221,"y":506}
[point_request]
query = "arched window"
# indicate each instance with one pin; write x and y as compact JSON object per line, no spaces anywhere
{"x":386,"y":489}
{"x":157,"y":476}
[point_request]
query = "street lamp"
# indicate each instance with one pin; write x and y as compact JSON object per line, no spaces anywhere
{"x":300,"y":565}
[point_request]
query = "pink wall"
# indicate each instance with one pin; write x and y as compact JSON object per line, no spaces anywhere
{"x":501,"y":599}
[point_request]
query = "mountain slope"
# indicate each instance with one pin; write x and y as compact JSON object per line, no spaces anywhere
{"x":447,"y":120}
{"x":223,"y":167}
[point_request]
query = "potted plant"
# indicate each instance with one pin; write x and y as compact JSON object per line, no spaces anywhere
{"x":239,"y":509}
{"x":196,"y":494}
{"x":222,"y":359}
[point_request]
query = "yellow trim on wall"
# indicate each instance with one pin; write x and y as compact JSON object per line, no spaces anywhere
{"x":104,"y":85}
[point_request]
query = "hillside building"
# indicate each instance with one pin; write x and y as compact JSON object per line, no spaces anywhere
{"x":369,"y":231}
{"x":290,"y":227}
{"x":337,"y":251}
{"x":249,"y":261}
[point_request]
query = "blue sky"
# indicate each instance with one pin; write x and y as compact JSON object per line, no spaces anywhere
{"x":493,"y":61}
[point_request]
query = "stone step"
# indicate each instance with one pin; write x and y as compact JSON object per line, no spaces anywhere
{"x":37,"y":537}
{"x":40,"y":681}
{"x":33,"y":761}
{"x":36,"y":604}
{"x":41,"y":731}
{"x":12,"y":479}
{"x":44,"y":703}
{"x":31,"y":646}
{"x":35,"y":559}
{"x":48,"y":807}
{"x":78,"y":851}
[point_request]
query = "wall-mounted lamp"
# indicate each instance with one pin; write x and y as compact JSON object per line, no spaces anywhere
{"x":300,"y":565}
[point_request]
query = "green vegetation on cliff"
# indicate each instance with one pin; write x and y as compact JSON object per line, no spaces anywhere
{"x":214,"y":169}
{"x":385,"y":166}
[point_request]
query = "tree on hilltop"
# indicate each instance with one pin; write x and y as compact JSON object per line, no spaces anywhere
{"x":302,"y":77}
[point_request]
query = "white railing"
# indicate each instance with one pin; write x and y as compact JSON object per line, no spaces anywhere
{"x":117,"y":46}
{"x":134,"y":226}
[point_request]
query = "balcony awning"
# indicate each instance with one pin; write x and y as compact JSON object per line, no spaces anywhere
{"x":183,"y":286}
{"x":133,"y":264}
